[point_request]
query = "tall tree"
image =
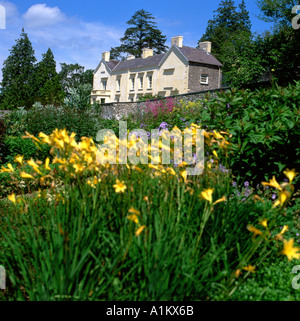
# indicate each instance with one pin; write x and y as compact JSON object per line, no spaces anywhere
{"x":143,"y":33}
{"x":47,"y":81}
{"x":73,"y":75}
{"x":226,"y":25}
{"x":232,"y":43}
{"x":17,"y":75}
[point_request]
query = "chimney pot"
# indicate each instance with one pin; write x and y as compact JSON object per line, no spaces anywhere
{"x":147,"y":53}
{"x":206,"y":45}
{"x":106,"y":55}
{"x":178,"y":41}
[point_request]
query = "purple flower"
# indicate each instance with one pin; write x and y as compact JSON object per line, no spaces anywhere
{"x":234,"y":184}
{"x":273,"y":196}
{"x":246,"y":184}
{"x":164,"y":125}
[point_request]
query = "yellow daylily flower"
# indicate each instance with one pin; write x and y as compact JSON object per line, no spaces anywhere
{"x":140,"y":230}
{"x":264,"y":222}
{"x":249,"y":268}
{"x":34,"y":166}
{"x":254,"y":230}
{"x":215,"y":153}
{"x":119,"y":186}
{"x":133,"y":218}
{"x":223,"y":199}
{"x":284,"y":195}
{"x":26,"y":175}
{"x":207,"y":194}
{"x":7,"y":170}
{"x":279,"y":235}
{"x":183,"y":174}
{"x":290,"y":174}
{"x":19,"y":159}
{"x":12,"y":198}
{"x":289,"y":250}
{"x":273,"y":183}
{"x":47,"y":161}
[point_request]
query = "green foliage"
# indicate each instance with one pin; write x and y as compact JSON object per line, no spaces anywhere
{"x":232,"y":44}
{"x":17,"y":146}
{"x":48,"y":87}
{"x":79,"y":98}
{"x":280,"y":54}
{"x":84,"y":248}
{"x":225,"y":25}
{"x":18,"y":75}
{"x":264,"y":125}
{"x":142,"y":34}
{"x":277,"y":11}
{"x":73,"y":75}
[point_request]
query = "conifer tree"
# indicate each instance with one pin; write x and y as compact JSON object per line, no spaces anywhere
{"x":17,"y":75}
{"x":232,"y":43}
{"x":143,"y":33}
{"x":47,"y":81}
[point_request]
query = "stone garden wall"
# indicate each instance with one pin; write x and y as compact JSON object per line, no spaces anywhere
{"x":118,"y":110}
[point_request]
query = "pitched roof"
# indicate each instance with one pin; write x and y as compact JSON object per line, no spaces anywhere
{"x":192,"y":54}
{"x":199,"y":55}
{"x":112,"y":64}
{"x":139,"y":62}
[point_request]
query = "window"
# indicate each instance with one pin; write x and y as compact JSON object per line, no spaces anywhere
{"x":169,"y":72}
{"x":141,"y":83}
{"x":132,"y":83}
{"x":102,"y":100}
{"x":149,"y":81}
{"x":204,"y":79}
{"x":117,"y":99}
{"x":118,"y":84}
{"x":130,"y":98}
{"x":104,"y":84}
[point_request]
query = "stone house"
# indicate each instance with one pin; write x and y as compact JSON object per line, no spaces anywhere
{"x":180,"y":70}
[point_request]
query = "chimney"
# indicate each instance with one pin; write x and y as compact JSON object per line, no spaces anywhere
{"x":206,"y":45}
{"x":178,"y":40}
{"x":147,"y":53}
{"x":129,"y":57}
{"x":106,"y":55}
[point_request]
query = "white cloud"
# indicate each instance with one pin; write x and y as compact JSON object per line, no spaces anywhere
{"x":40,"y":15}
{"x":72,"y":40}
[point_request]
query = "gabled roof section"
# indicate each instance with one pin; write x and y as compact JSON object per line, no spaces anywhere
{"x":109,"y":64}
{"x":199,"y":56}
{"x":175,"y":49}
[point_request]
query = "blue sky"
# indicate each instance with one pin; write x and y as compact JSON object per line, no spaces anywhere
{"x":79,"y":31}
